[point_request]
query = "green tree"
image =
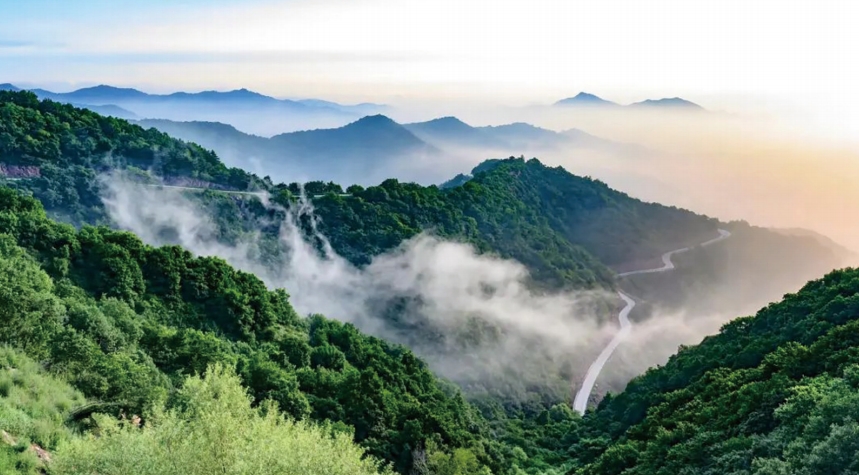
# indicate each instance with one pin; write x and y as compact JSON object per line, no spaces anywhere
{"x":213,"y":428}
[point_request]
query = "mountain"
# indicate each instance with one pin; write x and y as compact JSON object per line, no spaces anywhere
{"x":8,"y":87}
{"x":767,"y":394}
{"x":760,"y":388}
{"x":97,"y":95}
{"x":92,"y":144}
{"x":370,"y":148}
{"x":364,"y":108}
{"x":670,"y":103}
{"x":234,"y":147}
{"x":365,"y":151}
{"x":452,"y":132}
{"x":819,"y":238}
{"x":124,"y":322}
{"x":110,"y":110}
{"x":526,"y":135}
{"x":586,"y":100}
{"x":375,"y":148}
{"x":510,"y":138}
{"x":247,"y":110}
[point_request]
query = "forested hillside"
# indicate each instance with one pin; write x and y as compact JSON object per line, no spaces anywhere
{"x":94,"y":321}
{"x":771,"y":394}
{"x":72,"y":146}
{"x":564,"y":228}
{"x":124,"y":323}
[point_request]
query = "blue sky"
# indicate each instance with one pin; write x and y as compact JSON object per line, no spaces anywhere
{"x":505,"y":50}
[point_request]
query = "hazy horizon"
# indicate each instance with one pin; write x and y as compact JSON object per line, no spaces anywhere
{"x":776,"y":57}
{"x":774,"y":75}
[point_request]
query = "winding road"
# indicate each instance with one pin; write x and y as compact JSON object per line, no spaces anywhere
{"x":580,"y":403}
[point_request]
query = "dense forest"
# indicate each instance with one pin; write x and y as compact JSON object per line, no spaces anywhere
{"x":116,"y":351}
{"x":72,"y":146}
{"x":565,"y":229}
{"x":123,"y":323}
{"x":771,"y":394}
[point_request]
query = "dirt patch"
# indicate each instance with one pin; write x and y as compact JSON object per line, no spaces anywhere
{"x":8,"y":439}
{"x":41,"y":453}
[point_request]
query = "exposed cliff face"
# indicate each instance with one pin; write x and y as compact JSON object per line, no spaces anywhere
{"x":17,"y":171}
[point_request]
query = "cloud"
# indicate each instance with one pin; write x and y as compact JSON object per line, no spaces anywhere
{"x":10,"y":43}
{"x":472,"y":316}
{"x":245,"y":57}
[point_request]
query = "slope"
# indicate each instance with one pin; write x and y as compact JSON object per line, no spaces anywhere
{"x":450,"y":131}
{"x":69,"y":147}
{"x":124,"y":322}
{"x":584,"y":99}
{"x":589,"y":101}
{"x":761,"y":397}
{"x":366,"y":151}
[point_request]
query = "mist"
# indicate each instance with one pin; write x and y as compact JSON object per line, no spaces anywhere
{"x":768,"y":164}
{"x":770,"y":167}
{"x":479,"y":323}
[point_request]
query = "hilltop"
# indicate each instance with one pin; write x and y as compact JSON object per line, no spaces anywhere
{"x":584,"y":99}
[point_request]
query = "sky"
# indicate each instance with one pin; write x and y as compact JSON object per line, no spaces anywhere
{"x":522,"y":50}
{"x":790,"y":56}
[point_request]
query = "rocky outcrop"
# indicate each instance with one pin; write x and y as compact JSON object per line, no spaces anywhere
{"x":19,"y":171}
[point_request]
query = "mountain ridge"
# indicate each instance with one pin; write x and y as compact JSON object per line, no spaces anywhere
{"x":584,"y":99}
{"x":243,"y":108}
{"x":378,"y":141}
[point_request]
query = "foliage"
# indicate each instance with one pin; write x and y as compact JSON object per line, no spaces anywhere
{"x":213,"y":428}
{"x":564,"y":228}
{"x":72,"y":146}
{"x":33,"y":409}
{"x":770,"y":394}
{"x":124,"y":322}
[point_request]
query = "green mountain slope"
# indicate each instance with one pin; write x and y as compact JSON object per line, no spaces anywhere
{"x":563,"y":227}
{"x":210,"y":419}
{"x":71,"y":146}
{"x":124,"y":322}
{"x":552,"y":221}
{"x":770,"y":394}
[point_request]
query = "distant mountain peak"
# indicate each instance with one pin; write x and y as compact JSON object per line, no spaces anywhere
{"x":374,"y":121}
{"x":447,"y":120}
{"x":584,"y":99}
{"x":103,"y":91}
{"x":107,"y":88}
{"x":9,"y":87}
{"x":668,"y":102}
{"x":447,"y":123}
{"x":245,"y":92}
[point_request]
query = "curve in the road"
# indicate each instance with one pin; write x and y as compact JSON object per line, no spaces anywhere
{"x":580,"y":403}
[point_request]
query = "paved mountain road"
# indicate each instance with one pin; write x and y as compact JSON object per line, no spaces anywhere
{"x":580,"y":403}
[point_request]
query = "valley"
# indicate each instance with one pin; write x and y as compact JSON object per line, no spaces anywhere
{"x":418,"y":325}
{"x":583,"y":394}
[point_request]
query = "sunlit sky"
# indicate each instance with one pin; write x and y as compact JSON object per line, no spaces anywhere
{"x":721,"y":53}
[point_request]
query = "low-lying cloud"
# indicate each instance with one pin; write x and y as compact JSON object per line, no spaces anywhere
{"x":472,"y":316}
